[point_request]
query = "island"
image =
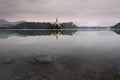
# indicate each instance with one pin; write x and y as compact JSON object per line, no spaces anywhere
{"x":37,"y":25}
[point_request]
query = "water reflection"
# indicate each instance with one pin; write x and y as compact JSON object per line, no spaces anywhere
{"x":23,"y":33}
{"x":56,"y":33}
{"x":117,"y":31}
{"x":79,"y":54}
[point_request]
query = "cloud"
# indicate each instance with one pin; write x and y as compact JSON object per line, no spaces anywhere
{"x":66,"y":10}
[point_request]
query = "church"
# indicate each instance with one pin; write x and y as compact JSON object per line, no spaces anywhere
{"x":57,"y":25}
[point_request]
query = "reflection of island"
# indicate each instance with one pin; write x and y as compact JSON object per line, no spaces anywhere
{"x":116,"y":28}
{"x":24,"y":33}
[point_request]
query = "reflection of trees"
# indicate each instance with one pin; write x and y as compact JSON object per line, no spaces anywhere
{"x":116,"y":31}
{"x":24,"y":33}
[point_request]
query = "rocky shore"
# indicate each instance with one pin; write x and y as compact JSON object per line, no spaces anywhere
{"x":62,"y":67}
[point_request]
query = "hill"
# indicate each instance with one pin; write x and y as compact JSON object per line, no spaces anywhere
{"x":2,"y":22}
{"x":116,"y":26}
{"x":70,"y":25}
{"x":5,"y":22}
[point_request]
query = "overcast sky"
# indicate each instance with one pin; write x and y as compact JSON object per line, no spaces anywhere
{"x":102,"y":11}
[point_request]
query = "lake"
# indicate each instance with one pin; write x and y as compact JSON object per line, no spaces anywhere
{"x":83,"y":54}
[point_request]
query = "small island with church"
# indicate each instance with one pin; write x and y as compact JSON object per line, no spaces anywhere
{"x":57,"y":25}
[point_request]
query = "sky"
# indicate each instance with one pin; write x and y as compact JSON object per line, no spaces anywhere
{"x":94,"y":12}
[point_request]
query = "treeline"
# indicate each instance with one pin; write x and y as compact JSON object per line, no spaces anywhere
{"x":29,"y":25}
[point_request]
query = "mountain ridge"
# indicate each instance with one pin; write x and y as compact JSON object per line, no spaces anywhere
{"x":3,"y":22}
{"x":116,"y":26}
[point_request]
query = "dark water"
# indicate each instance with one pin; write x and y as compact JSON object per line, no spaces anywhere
{"x":80,"y":54}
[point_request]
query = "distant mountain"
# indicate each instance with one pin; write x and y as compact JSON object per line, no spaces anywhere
{"x":117,"y":25}
{"x":18,"y":22}
{"x":4,"y":22}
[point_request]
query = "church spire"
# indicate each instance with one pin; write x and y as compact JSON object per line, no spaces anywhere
{"x":56,"y":20}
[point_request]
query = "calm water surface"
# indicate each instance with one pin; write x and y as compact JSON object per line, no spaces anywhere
{"x":83,"y":54}
{"x":59,"y":42}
